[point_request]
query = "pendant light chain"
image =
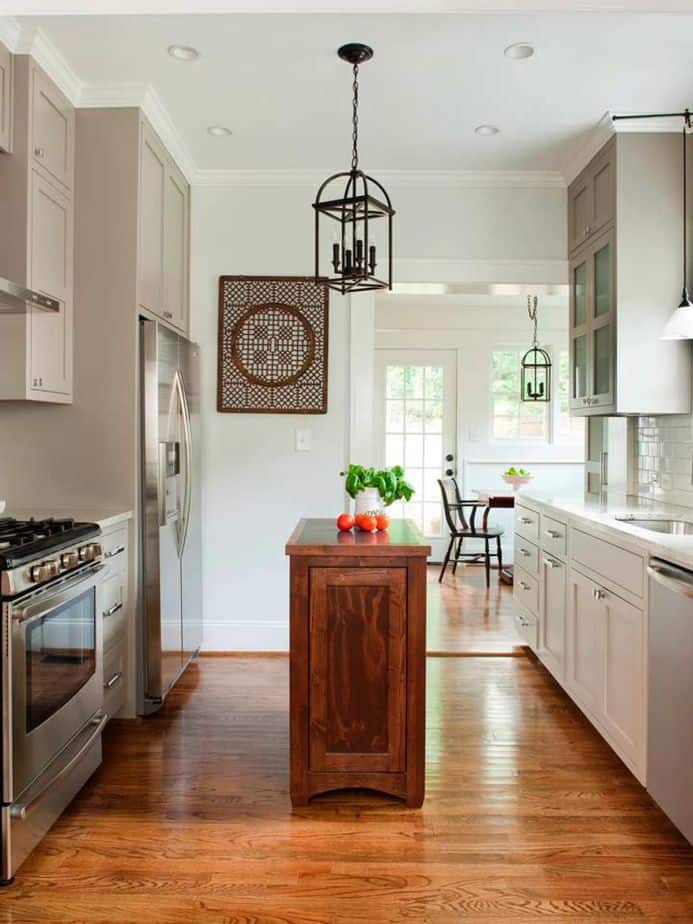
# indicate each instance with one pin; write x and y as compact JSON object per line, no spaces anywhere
{"x":532,"y":312}
{"x":355,"y":121}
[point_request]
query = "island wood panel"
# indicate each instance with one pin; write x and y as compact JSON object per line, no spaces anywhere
{"x":358,"y":669}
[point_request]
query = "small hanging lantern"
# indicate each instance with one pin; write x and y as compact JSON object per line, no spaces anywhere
{"x":536,"y":364}
{"x":360,"y":259}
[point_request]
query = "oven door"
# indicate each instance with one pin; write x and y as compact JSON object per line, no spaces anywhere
{"x":54,"y":677}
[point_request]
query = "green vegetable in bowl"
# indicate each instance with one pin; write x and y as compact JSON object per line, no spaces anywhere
{"x":513,"y":472}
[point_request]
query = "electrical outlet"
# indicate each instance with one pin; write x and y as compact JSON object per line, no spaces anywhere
{"x":304,"y":440}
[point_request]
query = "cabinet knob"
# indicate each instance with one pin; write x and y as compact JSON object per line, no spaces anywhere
{"x":168,"y":314}
{"x":598,"y":593}
{"x":40,"y":152}
{"x":449,"y":457}
{"x":449,"y":472}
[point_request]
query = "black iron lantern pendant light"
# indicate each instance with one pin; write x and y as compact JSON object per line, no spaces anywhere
{"x":358,"y":245}
{"x":536,"y":364}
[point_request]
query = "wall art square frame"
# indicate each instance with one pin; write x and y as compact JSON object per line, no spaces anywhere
{"x":273,"y":344}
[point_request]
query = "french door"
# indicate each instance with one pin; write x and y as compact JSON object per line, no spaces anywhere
{"x":415,"y":418}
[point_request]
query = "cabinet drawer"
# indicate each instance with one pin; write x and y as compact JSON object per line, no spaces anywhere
{"x":527,"y":627}
{"x":527,"y":523}
{"x":115,"y":548}
{"x":114,"y":687}
{"x":113,"y":611}
{"x":554,"y":536}
{"x":619,"y":566}
{"x":526,"y":555}
{"x":526,"y":590}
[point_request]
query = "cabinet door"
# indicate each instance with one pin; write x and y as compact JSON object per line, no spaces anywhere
{"x":603,"y":188}
{"x":5,"y":99}
{"x":151,"y":230}
{"x":358,"y":624}
{"x":624,"y":674}
{"x":51,"y":274}
{"x":552,"y":621}
{"x":584,"y":677}
{"x":176,"y":210}
{"x":579,"y":211}
{"x":579,"y":336}
{"x":602,"y":322}
{"x":52,"y":129}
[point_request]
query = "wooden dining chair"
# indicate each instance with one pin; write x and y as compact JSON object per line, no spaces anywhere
{"x":461,"y":529}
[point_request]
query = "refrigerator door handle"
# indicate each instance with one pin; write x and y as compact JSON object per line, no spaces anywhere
{"x":185,"y":411}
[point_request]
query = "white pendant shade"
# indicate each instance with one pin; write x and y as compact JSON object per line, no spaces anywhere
{"x":680,"y":324}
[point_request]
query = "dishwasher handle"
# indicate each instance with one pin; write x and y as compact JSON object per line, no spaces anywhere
{"x":674,"y":579}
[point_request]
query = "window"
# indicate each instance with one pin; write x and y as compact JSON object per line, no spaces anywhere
{"x":513,"y":418}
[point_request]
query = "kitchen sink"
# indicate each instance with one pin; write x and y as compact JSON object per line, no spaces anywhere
{"x":671,"y":527}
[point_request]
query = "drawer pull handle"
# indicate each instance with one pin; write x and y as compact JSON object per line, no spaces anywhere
{"x":113,"y":609}
{"x":550,"y":563}
{"x":524,"y":586}
{"x":598,"y":593}
{"x":554,"y":534}
{"x":526,"y":553}
{"x":115,"y":551}
{"x":526,"y":520}
{"x":113,"y":681}
{"x":39,"y":152}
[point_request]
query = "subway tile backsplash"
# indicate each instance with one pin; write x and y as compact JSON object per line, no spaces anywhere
{"x":664,"y":458}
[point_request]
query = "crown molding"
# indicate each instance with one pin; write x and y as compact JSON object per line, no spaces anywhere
{"x":34,"y":42}
{"x":9,"y":32}
{"x":464,"y":179}
{"x":595,"y":141}
{"x":145,"y":97}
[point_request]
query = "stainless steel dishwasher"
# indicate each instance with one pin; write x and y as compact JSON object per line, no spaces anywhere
{"x":670,"y":700}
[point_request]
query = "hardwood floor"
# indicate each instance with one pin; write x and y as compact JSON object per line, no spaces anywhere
{"x":466,"y":617}
{"x":528,"y":815}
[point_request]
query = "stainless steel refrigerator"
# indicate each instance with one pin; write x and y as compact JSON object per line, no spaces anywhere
{"x":171,"y":608}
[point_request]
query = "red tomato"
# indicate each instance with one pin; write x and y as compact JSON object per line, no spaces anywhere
{"x":367,"y":523}
{"x":345,"y":521}
{"x":382,"y":521}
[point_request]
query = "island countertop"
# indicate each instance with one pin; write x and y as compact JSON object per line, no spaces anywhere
{"x":321,"y":537}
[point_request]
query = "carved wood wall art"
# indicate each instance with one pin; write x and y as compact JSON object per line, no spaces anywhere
{"x":273,"y":345}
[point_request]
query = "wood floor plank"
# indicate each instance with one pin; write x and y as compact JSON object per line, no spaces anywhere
{"x":528,"y":815}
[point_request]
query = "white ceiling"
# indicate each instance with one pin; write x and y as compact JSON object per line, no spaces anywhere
{"x":276,"y":81}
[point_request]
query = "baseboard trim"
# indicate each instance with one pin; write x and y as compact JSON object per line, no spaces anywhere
{"x":244,"y":654}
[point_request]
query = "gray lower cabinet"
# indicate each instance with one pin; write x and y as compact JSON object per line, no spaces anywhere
{"x":36,"y":239}
{"x":6,"y":100}
{"x":625,"y":279}
{"x":114,"y":610}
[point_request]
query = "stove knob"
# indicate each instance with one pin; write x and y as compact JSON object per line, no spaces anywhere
{"x":89,"y":552}
{"x":69,"y":559}
{"x":46,"y":570}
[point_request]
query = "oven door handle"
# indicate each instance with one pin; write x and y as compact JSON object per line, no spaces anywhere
{"x":32,"y":613}
{"x":22,"y":809}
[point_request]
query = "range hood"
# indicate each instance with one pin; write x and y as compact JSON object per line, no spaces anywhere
{"x":15,"y":299}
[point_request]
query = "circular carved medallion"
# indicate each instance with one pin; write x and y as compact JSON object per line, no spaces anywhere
{"x":272,"y":344}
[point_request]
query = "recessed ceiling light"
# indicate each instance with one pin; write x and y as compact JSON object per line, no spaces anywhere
{"x":519,"y":51}
{"x":486,"y":130}
{"x":219,"y":131}
{"x":183,"y":52}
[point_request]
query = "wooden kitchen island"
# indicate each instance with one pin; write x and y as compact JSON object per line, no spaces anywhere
{"x":358,"y":660}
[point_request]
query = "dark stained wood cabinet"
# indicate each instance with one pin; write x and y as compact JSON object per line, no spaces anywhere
{"x":358,"y":638}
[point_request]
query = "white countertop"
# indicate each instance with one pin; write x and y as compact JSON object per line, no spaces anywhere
{"x":105,"y":516}
{"x":600,"y":514}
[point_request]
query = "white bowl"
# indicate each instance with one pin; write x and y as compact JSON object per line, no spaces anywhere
{"x":517,"y":481}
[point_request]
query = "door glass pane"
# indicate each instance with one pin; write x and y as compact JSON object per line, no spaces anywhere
{"x":602,"y":281}
{"x":602,"y":361}
{"x":580,"y":366}
{"x":580,"y":294}
{"x":60,"y":651}
{"x":414,"y":438}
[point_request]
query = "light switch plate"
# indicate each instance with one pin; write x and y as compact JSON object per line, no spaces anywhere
{"x":304,"y":440}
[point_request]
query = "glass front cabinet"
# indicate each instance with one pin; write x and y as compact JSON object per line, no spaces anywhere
{"x":593,"y":327}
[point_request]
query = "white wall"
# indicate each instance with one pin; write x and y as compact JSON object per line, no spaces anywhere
{"x":255,"y":486}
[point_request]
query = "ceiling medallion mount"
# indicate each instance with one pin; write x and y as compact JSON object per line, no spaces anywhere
{"x":357,"y":207}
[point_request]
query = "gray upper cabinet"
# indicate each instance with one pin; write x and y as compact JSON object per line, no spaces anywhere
{"x":52,"y":129}
{"x":36,"y":240}
{"x":625,"y":279}
{"x":164,"y":231}
{"x":591,"y":198}
{"x":6,"y":102}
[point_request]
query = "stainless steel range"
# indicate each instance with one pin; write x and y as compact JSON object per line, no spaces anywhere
{"x":51,"y":675}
